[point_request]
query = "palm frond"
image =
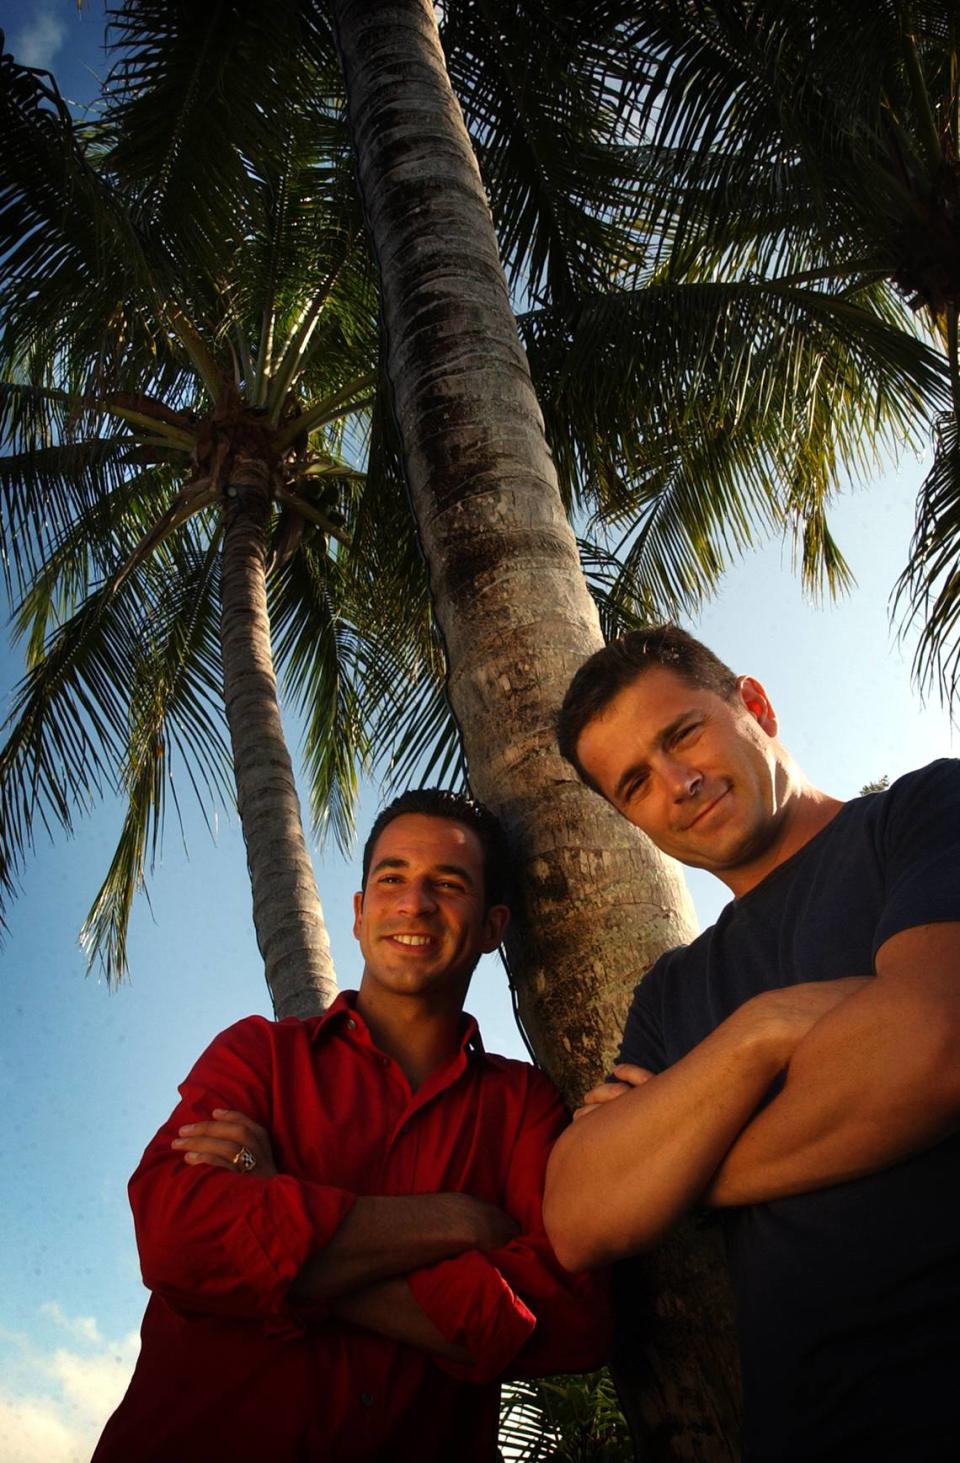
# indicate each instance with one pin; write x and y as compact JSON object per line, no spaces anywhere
{"x":61,"y":221}
{"x":184,"y":111}
{"x":574,"y":1419}
{"x":416,"y":734}
{"x":548,"y":110}
{"x":101,"y":535}
{"x":691,"y":417}
{"x":45,"y":491}
{"x":327,"y":673}
{"x":176,"y":717}
{"x":928,"y":590}
{"x":622,"y":602}
{"x":66,"y":732}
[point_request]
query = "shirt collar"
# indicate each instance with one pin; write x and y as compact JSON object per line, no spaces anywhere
{"x":344,"y":1008}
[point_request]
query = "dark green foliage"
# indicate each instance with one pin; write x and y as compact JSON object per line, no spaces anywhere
{"x":572,"y":1419}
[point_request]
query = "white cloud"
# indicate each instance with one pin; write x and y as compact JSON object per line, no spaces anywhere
{"x":38,"y":42}
{"x":55,"y":1400}
{"x":32,"y":1428}
{"x":84,"y":1328}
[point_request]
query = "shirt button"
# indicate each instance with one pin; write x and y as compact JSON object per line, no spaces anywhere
{"x":351,"y":1025}
{"x":366,"y":1399}
{"x":384,"y":1061}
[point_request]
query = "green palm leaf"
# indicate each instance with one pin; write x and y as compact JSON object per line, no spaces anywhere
{"x":67,"y":730}
{"x":175,"y":718}
{"x":928,"y":590}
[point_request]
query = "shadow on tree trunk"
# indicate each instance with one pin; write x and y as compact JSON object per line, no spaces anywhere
{"x":675,"y":1352}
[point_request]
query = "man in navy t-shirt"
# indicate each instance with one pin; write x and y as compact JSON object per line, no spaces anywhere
{"x":797,"y":1066}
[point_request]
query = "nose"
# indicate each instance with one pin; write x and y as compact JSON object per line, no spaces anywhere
{"x":416,"y":897}
{"x":683,"y":781}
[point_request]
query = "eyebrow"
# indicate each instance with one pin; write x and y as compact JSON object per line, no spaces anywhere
{"x":663,"y":738}
{"x":402,"y":863}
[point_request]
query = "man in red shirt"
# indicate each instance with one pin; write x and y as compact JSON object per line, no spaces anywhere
{"x":340,"y":1222}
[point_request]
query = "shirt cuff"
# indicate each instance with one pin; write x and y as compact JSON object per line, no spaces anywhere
{"x":472,"y":1306}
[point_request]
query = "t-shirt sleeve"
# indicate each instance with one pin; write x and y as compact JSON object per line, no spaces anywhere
{"x":921,"y":851}
{"x":643,"y":1044}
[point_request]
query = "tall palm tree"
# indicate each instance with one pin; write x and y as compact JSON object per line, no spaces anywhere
{"x":818,"y":144}
{"x":509,"y":597}
{"x":175,"y":399}
{"x":684,"y":454}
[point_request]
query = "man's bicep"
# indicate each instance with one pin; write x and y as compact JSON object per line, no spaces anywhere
{"x":918,"y":975}
{"x":875,"y":1080}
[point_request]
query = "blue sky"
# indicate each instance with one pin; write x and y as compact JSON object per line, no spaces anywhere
{"x":88,"y":1074}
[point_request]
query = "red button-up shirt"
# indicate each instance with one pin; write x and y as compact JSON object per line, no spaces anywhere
{"x":231,"y":1367}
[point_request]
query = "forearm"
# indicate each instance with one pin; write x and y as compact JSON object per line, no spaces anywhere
{"x":389,"y":1309}
{"x":388,"y":1236}
{"x":513,"y":1310}
{"x":872,"y":1082}
{"x":623,"y":1174}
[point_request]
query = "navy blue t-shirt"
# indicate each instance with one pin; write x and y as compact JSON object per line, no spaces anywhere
{"x":848,"y":1298}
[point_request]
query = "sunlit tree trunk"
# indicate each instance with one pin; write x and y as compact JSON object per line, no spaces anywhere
{"x":286,"y":905}
{"x":599,"y":903}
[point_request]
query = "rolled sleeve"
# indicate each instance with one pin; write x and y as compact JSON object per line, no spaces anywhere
{"x":517,"y":1311}
{"x":471,"y":1304}
{"x":221,"y":1243}
{"x":213,"y":1246}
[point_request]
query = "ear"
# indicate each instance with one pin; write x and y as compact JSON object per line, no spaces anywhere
{"x":495,"y":922}
{"x":357,"y":914}
{"x":758,"y":704}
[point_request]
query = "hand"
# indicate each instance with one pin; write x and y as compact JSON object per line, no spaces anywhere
{"x":219,"y":1140}
{"x":627,"y":1076}
{"x":785,"y":1015}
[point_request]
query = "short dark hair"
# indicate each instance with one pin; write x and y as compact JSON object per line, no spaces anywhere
{"x":457,"y":807}
{"x":610,"y":670}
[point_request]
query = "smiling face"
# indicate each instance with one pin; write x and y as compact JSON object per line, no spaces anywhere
{"x":702,"y":776}
{"x":421,"y":922}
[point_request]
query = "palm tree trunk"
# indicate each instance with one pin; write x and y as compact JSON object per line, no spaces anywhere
{"x":286,"y":905}
{"x":599,"y":903}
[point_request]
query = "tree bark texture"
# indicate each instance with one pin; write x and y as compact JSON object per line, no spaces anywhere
{"x":286,"y":905}
{"x":599,"y":903}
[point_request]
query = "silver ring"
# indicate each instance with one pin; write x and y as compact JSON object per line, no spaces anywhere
{"x":244,"y":1160}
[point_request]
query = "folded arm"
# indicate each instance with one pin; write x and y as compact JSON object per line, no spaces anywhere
{"x":447,"y":1273}
{"x":875,"y":1080}
{"x":476,"y":1285}
{"x":516,"y":1310}
{"x":390,"y":1309}
{"x":620,"y":1177}
{"x":221,"y":1242}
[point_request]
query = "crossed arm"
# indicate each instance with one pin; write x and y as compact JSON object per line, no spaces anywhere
{"x":476,"y":1286}
{"x":360,"y":1273}
{"x":873,"y":1074}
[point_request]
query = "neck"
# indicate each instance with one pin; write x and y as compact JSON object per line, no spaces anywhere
{"x":804,"y":811}
{"x":418,"y":1035}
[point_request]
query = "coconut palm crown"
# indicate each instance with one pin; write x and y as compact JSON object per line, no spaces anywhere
{"x":177,"y":407}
